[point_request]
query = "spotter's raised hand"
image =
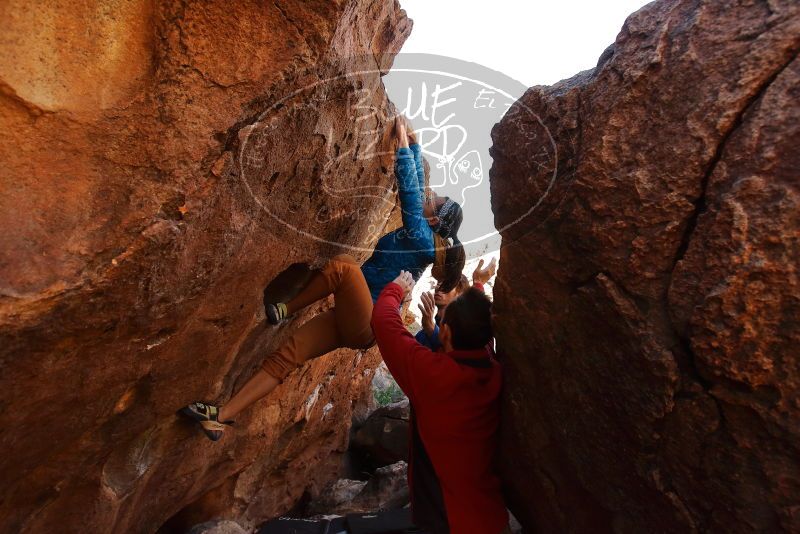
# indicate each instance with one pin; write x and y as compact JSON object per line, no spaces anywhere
{"x":406,"y":282}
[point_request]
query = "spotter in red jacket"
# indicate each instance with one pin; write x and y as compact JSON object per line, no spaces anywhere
{"x":456,"y":401}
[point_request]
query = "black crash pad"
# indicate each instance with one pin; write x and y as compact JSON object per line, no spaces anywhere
{"x":286,"y":525}
{"x":386,"y":522}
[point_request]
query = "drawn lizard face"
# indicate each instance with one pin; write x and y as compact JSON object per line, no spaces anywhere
{"x":467,"y":172}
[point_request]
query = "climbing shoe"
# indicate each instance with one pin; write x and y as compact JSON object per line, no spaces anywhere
{"x":207,"y":416}
{"x":276,"y":312}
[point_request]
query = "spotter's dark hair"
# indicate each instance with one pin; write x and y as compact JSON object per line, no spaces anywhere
{"x":469,"y":318}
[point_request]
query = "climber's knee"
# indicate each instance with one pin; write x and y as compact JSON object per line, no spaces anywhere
{"x":279,"y":365}
{"x":340,"y":269}
{"x":274,"y":369}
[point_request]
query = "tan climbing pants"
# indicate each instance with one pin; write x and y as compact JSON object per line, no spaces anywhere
{"x":346,"y":325}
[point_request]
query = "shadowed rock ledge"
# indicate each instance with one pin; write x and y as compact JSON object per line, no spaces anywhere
{"x":647,"y":309}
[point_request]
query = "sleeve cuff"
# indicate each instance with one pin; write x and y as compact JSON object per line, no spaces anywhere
{"x":404,"y":152}
{"x":415,"y":148}
{"x":392,"y":287}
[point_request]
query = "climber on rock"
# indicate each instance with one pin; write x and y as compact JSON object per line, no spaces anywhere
{"x":455,"y":396}
{"x":430,"y":221}
{"x":433,"y":304}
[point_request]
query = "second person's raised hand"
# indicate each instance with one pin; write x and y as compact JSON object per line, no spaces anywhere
{"x":428,"y":309}
{"x":481,"y":275}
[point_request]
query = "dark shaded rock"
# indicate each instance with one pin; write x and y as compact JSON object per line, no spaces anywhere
{"x":383,"y":438}
{"x":647,"y":308}
{"x":387,"y":489}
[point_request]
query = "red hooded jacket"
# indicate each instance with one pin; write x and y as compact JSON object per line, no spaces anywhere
{"x":457,"y":409}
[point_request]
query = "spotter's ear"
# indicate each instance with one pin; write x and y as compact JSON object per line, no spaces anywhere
{"x":433,"y":221}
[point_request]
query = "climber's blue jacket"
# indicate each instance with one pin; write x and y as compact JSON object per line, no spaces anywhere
{"x":431,"y":342}
{"x":409,"y":248}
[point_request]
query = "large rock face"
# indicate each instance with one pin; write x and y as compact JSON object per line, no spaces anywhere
{"x":160,"y":168}
{"x":648,"y":308}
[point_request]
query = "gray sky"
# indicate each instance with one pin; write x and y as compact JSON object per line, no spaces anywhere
{"x":534,"y":41}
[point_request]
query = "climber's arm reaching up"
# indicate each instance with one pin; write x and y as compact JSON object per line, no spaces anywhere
{"x":414,"y":367}
{"x":417,"y":150}
{"x":407,"y":184}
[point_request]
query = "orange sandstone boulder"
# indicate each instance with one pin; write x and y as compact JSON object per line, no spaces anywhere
{"x":648,"y":303}
{"x":162,"y":164}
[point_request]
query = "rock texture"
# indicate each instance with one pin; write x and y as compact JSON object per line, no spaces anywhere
{"x":648,"y":308}
{"x":162,"y":164}
{"x":383,"y":438}
{"x":387,"y":489}
{"x":217,"y":527}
